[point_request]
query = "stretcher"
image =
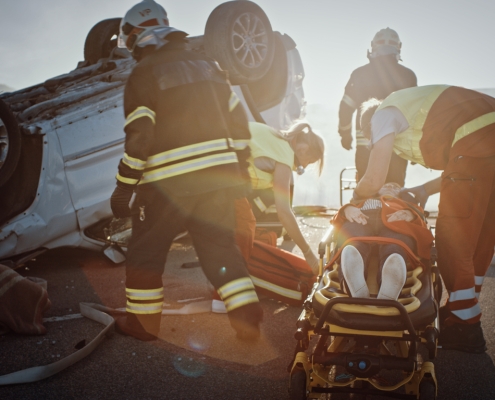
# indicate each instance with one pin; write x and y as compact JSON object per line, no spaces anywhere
{"x":367,"y":346}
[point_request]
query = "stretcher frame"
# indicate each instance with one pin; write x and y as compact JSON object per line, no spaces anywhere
{"x":310,"y":367}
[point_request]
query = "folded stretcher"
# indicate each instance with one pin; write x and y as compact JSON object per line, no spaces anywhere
{"x":366,"y":345}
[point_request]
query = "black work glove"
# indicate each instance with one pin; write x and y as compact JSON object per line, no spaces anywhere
{"x":415,"y":195}
{"x":346,"y":140}
{"x":119,"y":202}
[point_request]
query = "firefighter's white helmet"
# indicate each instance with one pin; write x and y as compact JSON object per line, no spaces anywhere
{"x":139,"y":22}
{"x":386,"y":41}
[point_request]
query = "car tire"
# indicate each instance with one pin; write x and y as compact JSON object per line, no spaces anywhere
{"x":10,"y":143}
{"x":101,"y":40}
{"x":239,"y":36}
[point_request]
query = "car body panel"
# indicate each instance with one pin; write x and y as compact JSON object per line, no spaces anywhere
{"x":81,"y":120}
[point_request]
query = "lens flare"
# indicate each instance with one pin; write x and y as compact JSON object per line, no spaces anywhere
{"x":189,"y":366}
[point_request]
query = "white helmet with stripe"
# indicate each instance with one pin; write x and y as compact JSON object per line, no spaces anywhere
{"x":139,"y":22}
{"x":386,"y":41}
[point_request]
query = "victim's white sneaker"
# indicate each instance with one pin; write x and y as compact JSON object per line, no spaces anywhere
{"x":394,"y":274}
{"x":352,"y":265}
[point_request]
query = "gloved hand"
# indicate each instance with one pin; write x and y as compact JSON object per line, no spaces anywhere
{"x":119,"y":202}
{"x":346,"y":140}
{"x":312,"y":260}
{"x":415,"y":195}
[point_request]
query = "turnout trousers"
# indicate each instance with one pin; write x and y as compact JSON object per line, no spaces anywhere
{"x":465,"y":232}
{"x":157,"y":218}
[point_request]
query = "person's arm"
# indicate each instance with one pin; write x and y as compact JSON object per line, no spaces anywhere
{"x":139,"y":130}
{"x":419,"y":194}
{"x":377,"y":170}
{"x":281,"y":189}
{"x":346,"y":110}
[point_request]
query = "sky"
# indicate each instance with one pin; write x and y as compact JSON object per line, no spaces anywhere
{"x":443,"y":41}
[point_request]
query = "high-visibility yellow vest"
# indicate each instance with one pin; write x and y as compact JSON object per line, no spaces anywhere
{"x":265,"y":144}
{"x":415,"y":103}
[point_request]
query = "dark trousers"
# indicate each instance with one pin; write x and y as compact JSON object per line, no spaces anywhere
{"x":209,"y":219}
{"x":374,"y":227}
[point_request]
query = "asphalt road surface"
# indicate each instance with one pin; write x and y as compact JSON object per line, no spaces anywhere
{"x":197,"y":356}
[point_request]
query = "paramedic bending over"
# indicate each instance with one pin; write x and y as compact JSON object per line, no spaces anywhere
{"x":274,"y":154}
{"x":451,"y":129}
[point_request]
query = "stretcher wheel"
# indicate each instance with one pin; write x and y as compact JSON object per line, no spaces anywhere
{"x":297,"y":390}
{"x":427,"y":390}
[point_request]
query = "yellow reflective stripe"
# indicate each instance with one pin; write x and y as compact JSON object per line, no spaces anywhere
{"x":187,"y":151}
{"x":241,"y":144}
{"x":138,"y":113}
{"x":151,"y":308}
{"x":349,"y":101}
{"x":233,"y":101}
{"x":473,"y":126}
{"x":144,"y":294}
{"x":241,"y":299}
{"x":188,"y":166}
{"x":129,"y":181}
{"x":235,"y":286}
{"x":345,"y":127}
{"x":134,"y":163}
{"x":291,"y":294}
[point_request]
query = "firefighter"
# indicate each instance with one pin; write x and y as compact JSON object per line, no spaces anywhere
{"x":186,"y":151}
{"x":377,"y":79}
{"x":451,"y":129}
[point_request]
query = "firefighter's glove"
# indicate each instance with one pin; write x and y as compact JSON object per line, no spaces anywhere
{"x":346,"y":140}
{"x":312,"y":260}
{"x":416,"y":195}
{"x":119,"y":202}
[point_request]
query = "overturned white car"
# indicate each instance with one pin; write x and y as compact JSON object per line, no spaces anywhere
{"x":61,"y":140}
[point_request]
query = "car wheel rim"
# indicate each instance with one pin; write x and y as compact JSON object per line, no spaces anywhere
{"x":250,"y":40}
{"x":4,"y":144}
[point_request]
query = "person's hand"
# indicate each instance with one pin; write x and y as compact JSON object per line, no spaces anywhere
{"x":354,"y":214}
{"x":119,"y":202}
{"x":401,"y":215}
{"x":415,"y":195}
{"x":346,"y":140}
{"x":312,"y":260}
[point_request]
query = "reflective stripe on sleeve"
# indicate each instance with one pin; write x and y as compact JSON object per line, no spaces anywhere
{"x":233,"y":101}
{"x":473,"y":126}
{"x":139,"y":113}
{"x":144,"y":294}
{"x":468,"y":313}
{"x":349,"y":101}
{"x":239,"y":144}
{"x":186,"y":152}
{"x":188,"y":166}
{"x":129,"y":181}
{"x":134,"y":163}
{"x":241,"y":299}
{"x":140,"y":308}
{"x":291,"y":294}
{"x":465,"y":294}
{"x":235,"y":286}
{"x":345,"y":127}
